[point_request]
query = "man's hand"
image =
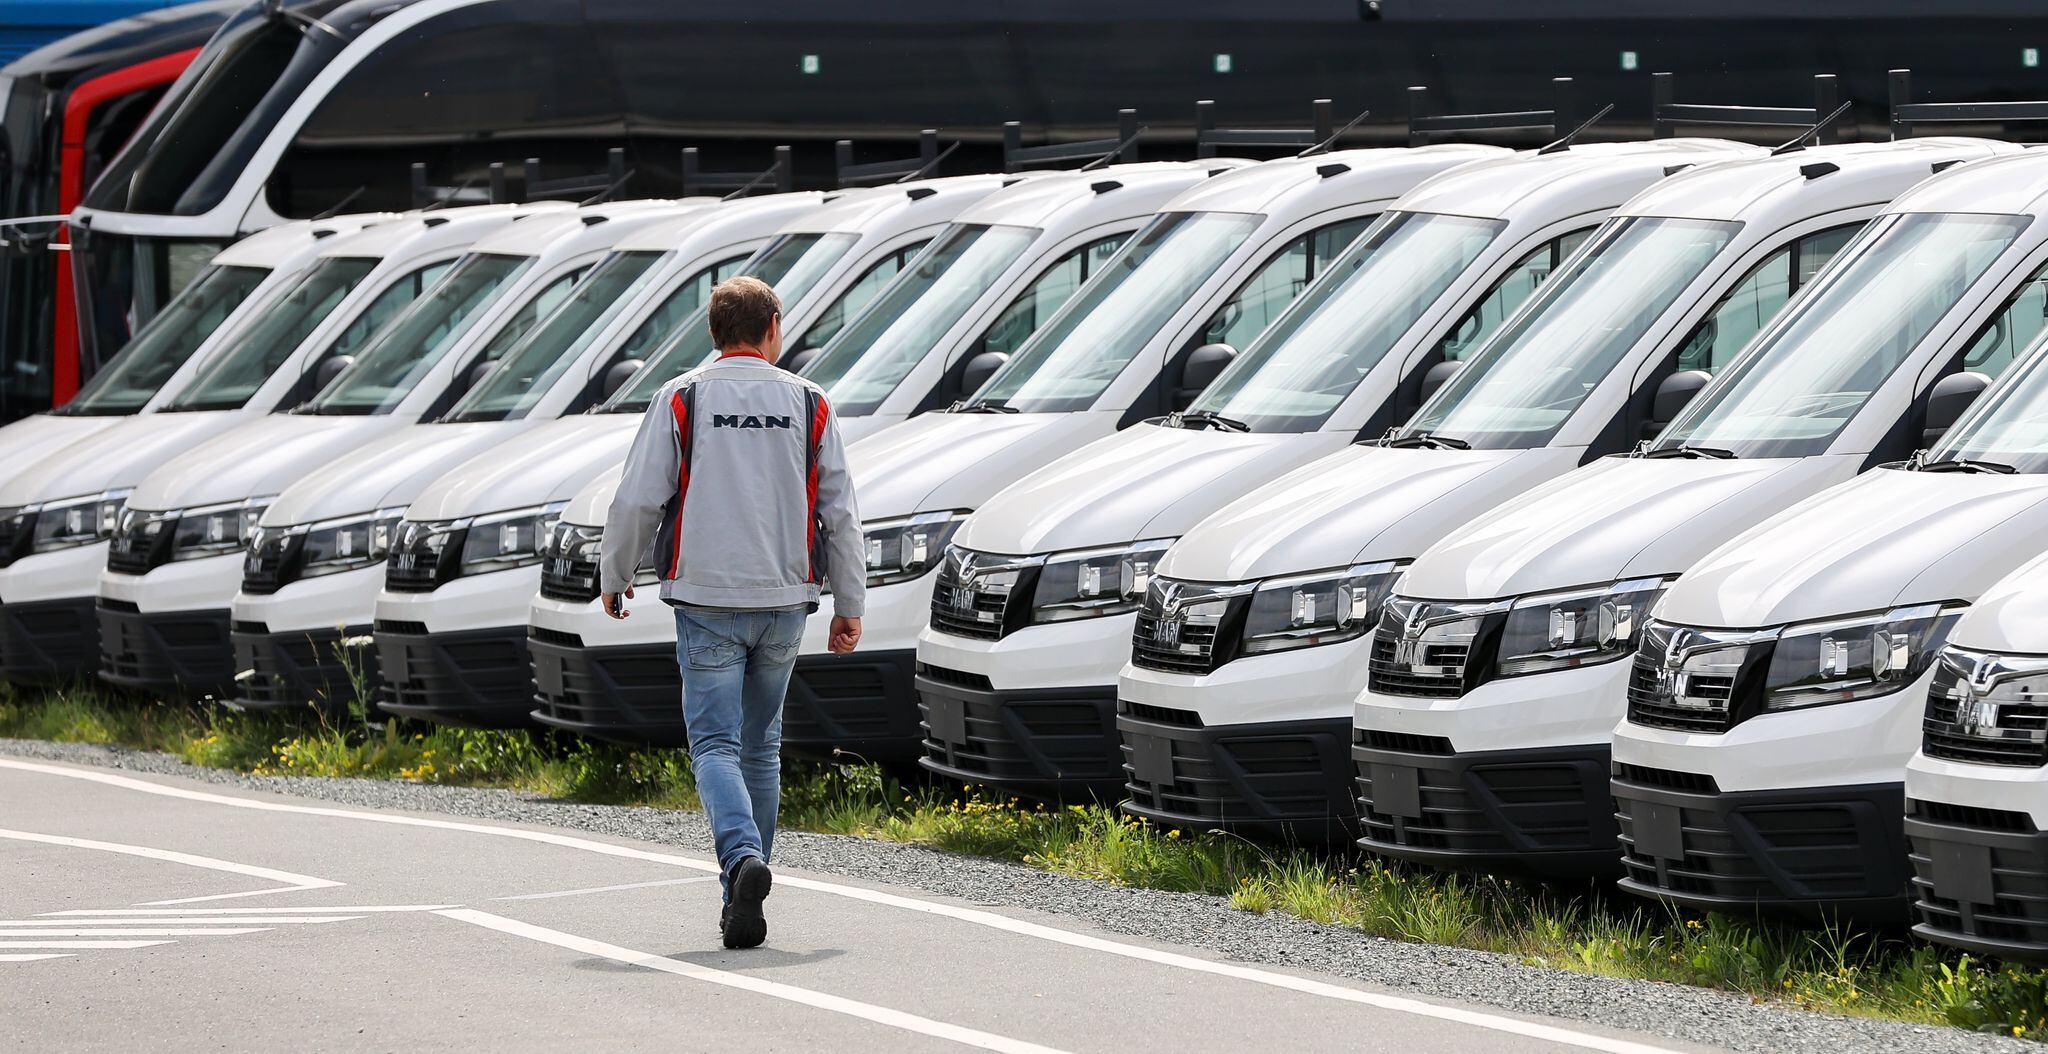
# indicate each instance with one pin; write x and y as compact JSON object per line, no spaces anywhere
{"x":845,"y":635}
{"x":615,"y":605}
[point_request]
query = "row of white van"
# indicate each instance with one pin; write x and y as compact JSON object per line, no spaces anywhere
{"x":1466,"y":497}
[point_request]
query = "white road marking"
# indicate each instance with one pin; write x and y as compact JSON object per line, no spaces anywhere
{"x":35,"y":958}
{"x":611,"y":889}
{"x":80,"y":944}
{"x":1399,"y":1004}
{"x":880,"y":1015}
{"x":138,"y":931}
{"x":293,"y":883}
{"x":208,"y":920}
{"x":352,"y":910}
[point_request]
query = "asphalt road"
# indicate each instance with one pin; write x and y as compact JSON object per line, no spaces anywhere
{"x":151,"y":912}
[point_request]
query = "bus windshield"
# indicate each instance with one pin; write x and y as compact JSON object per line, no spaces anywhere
{"x":139,"y":370}
{"x":404,"y":351}
{"x":228,"y":379}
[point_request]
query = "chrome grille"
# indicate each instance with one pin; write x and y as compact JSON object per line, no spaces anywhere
{"x":423,"y":555}
{"x":142,"y":541}
{"x":1186,"y":627}
{"x":973,"y":593}
{"x":569,"y":562}
{"x":1431,"y":649}
{"x":271,"y":562}
{"x":1685,"y":679}
{"x":1985,"y":709}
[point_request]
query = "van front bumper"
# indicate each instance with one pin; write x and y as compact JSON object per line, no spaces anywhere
{"x":1283,"y":780}
{"x":49,"y":640}
{"x":476,"y":678}
{"x":291,"y":669}
{"x":858,"y":706}
{"x":1543,"y":810}
{"x":165,"y":650}
{"x":625,"y":693}
{"x":1044,"y":743}
{"x":1979,"y":850}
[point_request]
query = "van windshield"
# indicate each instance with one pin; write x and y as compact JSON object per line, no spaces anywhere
{"x":1071,"y":361}
{"x":138,"y":371}
{"x":871,"y":357}
{"x":1793,"y":391}
{"x":404,"y":351}
{"x":1519,"y":388}
{"x":1294,"y":375}
{"x":518,"y":379}
{"x":2008,"y":424}
{"x":228,"y":379}
{"x":792,"y":263}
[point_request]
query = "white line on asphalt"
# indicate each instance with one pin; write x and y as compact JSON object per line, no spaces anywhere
{"x":294,"y":883}
{"x":1400,"y":1004}
{"x":81,"y":944}
{"x":351,"y":910}
{"x":611,"y":889}
{"x":880,"y":1015}
{"x":35,"y":958}
{"x":206,"y":920}
{"x":140,"y":931}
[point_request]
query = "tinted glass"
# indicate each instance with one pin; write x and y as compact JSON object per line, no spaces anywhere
{"x":231,"y":377}
{"x":391,"y":365}
{"x":135,"y":375}
{"x":850,"y":304}
{"x":1276,"y":283}
{"x":1045,"y":295}
{"x":523,"y":318}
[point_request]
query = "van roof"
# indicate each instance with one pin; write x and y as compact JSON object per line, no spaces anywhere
{"x":721,"y":221}
{"x":1301,"y":186}
{"x":2009,"y":184}
{"x":1034,"y":202}
{"x":1601,"y":174}
{"x":1788,"y":187}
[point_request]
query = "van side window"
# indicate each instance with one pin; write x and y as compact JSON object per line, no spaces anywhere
{"x":395,"y":298}
{"x":523,"y":320}
{"x":682,"y":302}
{"x":1278,"y":281}
{"x":856,"y":297}
{"x":1507,"y":294}
{"x":1045,"y":294}
{"x":1753,"y":300}
{"x":2007,"y":333}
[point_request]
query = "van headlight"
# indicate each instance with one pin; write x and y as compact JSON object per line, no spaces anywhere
{"x":211,"y":530}
{"x":1095,"y":582}
{"x":73,"y":522}
{"x":1857,"y":657}
{"x":505,"y":540}
{"x":1579,"y":627}
{"x":906,"y":549}
{"x":1323,"y":608}
{"x":348,"y":543}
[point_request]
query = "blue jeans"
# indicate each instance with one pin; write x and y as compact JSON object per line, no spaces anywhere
{"x":735,"y":670}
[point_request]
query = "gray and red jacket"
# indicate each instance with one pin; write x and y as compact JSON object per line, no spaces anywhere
{"x":738,"y":481}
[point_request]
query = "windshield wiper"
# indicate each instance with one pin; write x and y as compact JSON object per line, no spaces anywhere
{"x":1963,"y":464}
{"x":986,"y":406}
{"x":1682,"y":450}
{"x":1191,"y":418}
{"x":1427,"y":440}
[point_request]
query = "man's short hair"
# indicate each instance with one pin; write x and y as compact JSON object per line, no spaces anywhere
{"x":741,"y":309}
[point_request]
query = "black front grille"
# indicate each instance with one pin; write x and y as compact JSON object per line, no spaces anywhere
{"x":272,"y":561}
{"x":1694,"y":680}
{"x":558,"y":638}
{"x":1953,"y":815}
{"x":1430,"y":649}
{"x":142,"y":541}
{"x":400,"y":626}
{"x":17,"y":534}
{"x":1689,"y":782}
{"x":957,"y":678}
{"x":423,"y":556}
{"x":1401,"y":742}
{"x":1290,"y":782}
{"x":1981,"y":710}
{"x":569,"y":563}
{"x":1161,"y":715}
{"x":1188,"y":627}
{"x":968,"y":601}
{"x":1980,"y":877}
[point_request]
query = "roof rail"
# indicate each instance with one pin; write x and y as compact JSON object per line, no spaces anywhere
{"x":1016,"y":156}
{"x":1907,"y":113}
{"x":1422,"y":124}
{"x":779,"y":177}
{"x":1666,"y":115}
{"x":873,"y":172}
{"x":576,"y":187}
{"x":1208,"y":137}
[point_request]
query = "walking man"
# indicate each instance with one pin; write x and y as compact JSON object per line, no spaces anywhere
{"x":738,"y":481}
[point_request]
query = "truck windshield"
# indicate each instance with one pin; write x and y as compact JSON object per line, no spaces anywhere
{"x":139,"y":370}
{"x":519,"y":379}
{"x":871,"y":357}
{"x":1792,"y":391}
{"x":1070,"y":362}
{"x":792,"y":263}
{"x":1296,"y":373}
{"x":404,"y":351}
{"x":1519,"y":388}
{"x":228,"y":379}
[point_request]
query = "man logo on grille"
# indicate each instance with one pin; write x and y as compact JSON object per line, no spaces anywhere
{"x":1977,"y":714}
{"x":1166,"y":626}
{"x":1408,"y":650}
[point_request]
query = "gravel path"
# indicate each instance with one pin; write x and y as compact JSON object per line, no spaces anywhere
{"x":1193,"y":920}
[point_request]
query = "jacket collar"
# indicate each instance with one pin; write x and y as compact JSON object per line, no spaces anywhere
{"x":744,"y":353}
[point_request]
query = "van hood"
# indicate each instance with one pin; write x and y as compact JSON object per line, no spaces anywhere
{"x":2012,"y":615}
{"x":119,"y":455}
{"x":264,"y":456}
{"x":388,"y":471}
{"x":1362,"y":503}
{"x":593,"y":503}
{"x":854,"y":429}
{"x":1147,"y":481}
{"x":958,"y":461}
{"x":1616,"y":518}
{"x":1877,"y":541}
{"x":25,"y":443}
{"x":548,"y":463}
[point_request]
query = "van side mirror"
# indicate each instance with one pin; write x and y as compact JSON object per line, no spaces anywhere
{"x":476,"y":374}
{"x":979,"y":369}
{"x":616,"y":377}
{"x":1439,"y":375}
{"x":1945,"y":404}
{"x":328,"y":369}
{"x":1673,"y":393}
{"x":796,"y":363}
{"x":1202,"y":367}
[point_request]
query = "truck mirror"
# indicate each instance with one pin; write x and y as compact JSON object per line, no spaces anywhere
{"x":796,"y":363}
{"x":476,"y":374}
{"x":979,"y":369}
{"x":616,"y":377}
{"x":1439,"y":375}
{"x":1673,"y":393}
{"x":330,"y":368}
{"x":1945,"y":404}
{"x":1201,"y":368}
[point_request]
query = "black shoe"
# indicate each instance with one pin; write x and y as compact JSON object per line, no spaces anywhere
{"x":742,"y":923}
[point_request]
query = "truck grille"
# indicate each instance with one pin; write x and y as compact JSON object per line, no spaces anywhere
{"x":142,"y":541}
{"x":1187,"y":627}
{"x":423,"y":556}
{"x":981,"y":596}
{"x":1691,"y":680}
{"x":272,"y":561}
{"x":568,"y":563}
{"x":1983,"y":709}
{"x":17,"y":534}
{"x":1432,"y":649}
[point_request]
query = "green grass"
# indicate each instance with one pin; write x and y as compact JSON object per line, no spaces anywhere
{"x":1818,"y":968}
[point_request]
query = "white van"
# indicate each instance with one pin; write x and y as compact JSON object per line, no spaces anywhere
{"x":1977,"y":789}
{"x":940,"y":329}
{"x":229,"y":295}
{"x":1778,"y":691}
{"x":451,"y":618}
{"x":1506,"y":765}
{"x":304,"y":337}
{"x":315,"y":562}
